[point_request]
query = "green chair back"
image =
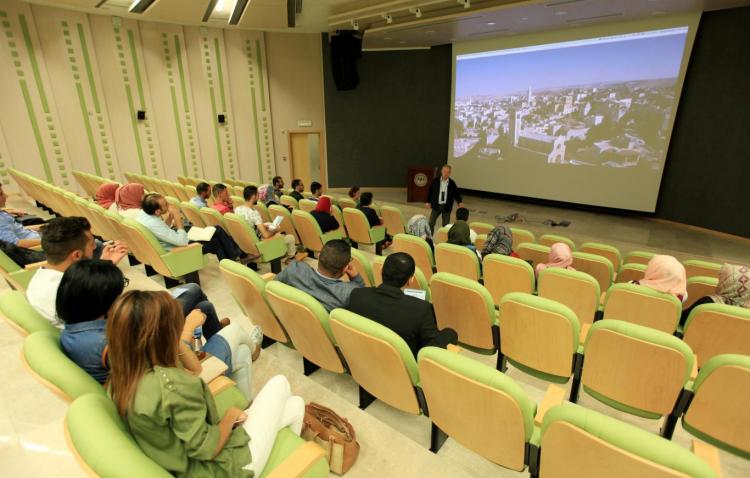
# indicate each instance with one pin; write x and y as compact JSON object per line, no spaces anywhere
{"x":549,"y":239}
{"x":521,"y":236}
{"x":605,"y":250}
{"x":644,"y":306}
{"x":638,"y":257}
{"x":599,"y":267}
{"x":418,"y":249}
{"x":459,"y":260}
{"x":15,"y":307}
{"x":696,"y":267}
{"x":576,"y":290}
{"x":505,"y":274}
{"x":715,"y":329}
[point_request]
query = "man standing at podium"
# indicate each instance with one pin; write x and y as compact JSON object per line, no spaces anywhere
{"x":443,"y":191}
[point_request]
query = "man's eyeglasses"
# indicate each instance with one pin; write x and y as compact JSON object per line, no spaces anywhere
{"x":125,"y":282}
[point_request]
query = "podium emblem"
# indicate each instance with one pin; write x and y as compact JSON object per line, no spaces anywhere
{"x":420,"y":180}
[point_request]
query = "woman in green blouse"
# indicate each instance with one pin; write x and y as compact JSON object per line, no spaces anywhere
{"x":171,"y":412}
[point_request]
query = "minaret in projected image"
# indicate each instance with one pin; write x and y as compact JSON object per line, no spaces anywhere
{"x":530,"y":98}
{"x":515,"y":124}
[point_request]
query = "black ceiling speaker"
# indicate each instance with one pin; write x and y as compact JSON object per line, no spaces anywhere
{"x":346,"y":48}
{"x":222,"y":119}
{"x":141,"y":115}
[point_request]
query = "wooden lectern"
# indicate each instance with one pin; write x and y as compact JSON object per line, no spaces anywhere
{"x":418,"y":185}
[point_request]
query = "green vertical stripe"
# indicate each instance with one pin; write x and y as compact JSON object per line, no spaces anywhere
{"x":89,"y":133}
{"x":34,"y":64}
{"x":179,"y":130}
{"x":139,"y":83}
{"x":178,"y":54}
{"x":259,"y":62}
{"x":221,"y":76}
{"x":216,"y":133}
{"x":257,"y":135}
{"x":89,"y":71}
{"x":134,"y":124}
{"x":35,"y":128}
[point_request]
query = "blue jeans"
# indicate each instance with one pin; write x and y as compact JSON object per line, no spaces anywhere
{"x":194,"y":298}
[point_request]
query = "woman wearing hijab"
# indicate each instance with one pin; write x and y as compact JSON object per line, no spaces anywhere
{"x":560,"y":256}
{"x":129,"y":199}
{"x":460,"y":235}
{"x":732,"y":289}
{"x":105,"y":194}
{"x":499,"y":241}
{"x":322,"y":214}
{"x":419,"y":226}
{"x":266,"y":195}
{"x":666,"y":274}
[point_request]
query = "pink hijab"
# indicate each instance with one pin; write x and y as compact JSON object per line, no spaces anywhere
{"x":129,"y":196}
{"x":560,"y":256}
{"x":666,"y":274}
{"x":105,"y":194}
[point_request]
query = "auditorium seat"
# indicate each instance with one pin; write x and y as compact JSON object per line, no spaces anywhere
{"x":636,"y":369}
{"x":441,"y":235}
{"x":263,"y":210}
{"x":379,"y":361}
{"x":540,"y":337}
{"x":270,"y":250}
{"x":480,"y":241}
{"x":22,"y":316}
{"x":360,"y":231}
{"x":287,"y":225}
{"x":504,"y":274}
{"x":363,"y":266}
{"x":191,"y":191}
{"x":630,"y":272}
{"x":393,"y":220}
{"x":695,"y":267}
{"x":459,"y":260}
{"x":600,"y":268}
{"x":237,"y":200}
{"x":495,"y":418}
{"x":605,"y":250}
{"x":345,"y":202}
{"x":699,"y":287}
{"x":306,"y":323}
{"x":715,"y":329}
{"x":89,"y":183}
{"x":310,"y":235}
{"x":534,"y":253}
{"x":418,"y":249}
{"x":481,"y":227}
{"x":211,"y":217}
{"x":521,"y":236}
{"x":574,"y":289}
{"x":336,"y":212}
{"x":417,"y":281}
{"x":18,"y":277}
{"x":465,"y":306}
{"x":307,"y":205}
{"x":641,"y":305}
{"x":288,"y":201}
{"x":718,"y":412}
{"x":549,"y":239}
{"x":579,"y":443}
{"x":249,"y":291}
{"x":638,"y":257}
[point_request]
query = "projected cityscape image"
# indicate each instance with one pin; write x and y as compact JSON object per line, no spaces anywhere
{"x":597,"y":103}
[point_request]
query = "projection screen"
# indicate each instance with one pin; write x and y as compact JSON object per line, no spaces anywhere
{"x":581,"y":116}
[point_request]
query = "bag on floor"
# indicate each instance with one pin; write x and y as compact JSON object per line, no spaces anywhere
{"x":332,"y":433}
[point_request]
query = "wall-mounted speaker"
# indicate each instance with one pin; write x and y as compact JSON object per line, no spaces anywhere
{"x":346,"y":48}
{"x":222,"y":119}
{"x":141,"y":115}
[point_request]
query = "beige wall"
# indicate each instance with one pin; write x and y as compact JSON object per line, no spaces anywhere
{"x":71,"y":83}
{"x":295,"y":70}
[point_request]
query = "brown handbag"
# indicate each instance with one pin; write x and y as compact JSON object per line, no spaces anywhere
{"x":332,"y":433}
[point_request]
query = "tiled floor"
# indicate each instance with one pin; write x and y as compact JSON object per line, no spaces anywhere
{"x":393,"y":443}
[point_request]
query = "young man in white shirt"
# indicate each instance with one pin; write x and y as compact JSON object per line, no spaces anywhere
{"x":248,"y":212}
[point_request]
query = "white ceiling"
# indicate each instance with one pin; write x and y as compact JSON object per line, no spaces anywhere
{"x":441,"y":21}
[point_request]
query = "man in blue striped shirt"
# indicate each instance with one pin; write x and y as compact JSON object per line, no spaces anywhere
{"x":13,"y":232}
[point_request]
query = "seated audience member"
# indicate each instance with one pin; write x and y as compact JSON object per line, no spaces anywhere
{"x":326,"y":284}
{"x":666,"y":274}
{"x":278,"y":185}
{"x":263,"y":230}
{"x":88,"y":289}
{"x":499,"y":241}
{"x":266,"y":195}
{"x":171,"y":413}
{"x":459,"y":234}
{"x":462,"y":214}
{"x":316,"y":189}
{"x":65,"y":240}
{"x":166,"y":223}
{"x":105,"y":194}
{"x":204,"y":191}
{"x":298,"y":186}
{"x":419,"y":226}
{"x":732,"y":289}
{"x":11,"y":231}
{"x":354,"y":194}
{"x":560,"y":256}
{"x":322,"y":214}
{"x":365,"y":205}
{"x":411,"y":318}
{"x":128,"y":199}
{"x":222,"y":201}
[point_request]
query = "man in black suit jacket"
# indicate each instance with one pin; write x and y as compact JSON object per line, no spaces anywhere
{"x":411,"y":318}
{"x":443,"y":191}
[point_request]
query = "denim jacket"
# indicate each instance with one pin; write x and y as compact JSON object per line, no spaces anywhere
{"x":84,"y":344}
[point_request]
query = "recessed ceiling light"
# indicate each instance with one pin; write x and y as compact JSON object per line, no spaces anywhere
{"x":491,"y":23}
{"x":561,"y":12}
{"x":429,"y":31}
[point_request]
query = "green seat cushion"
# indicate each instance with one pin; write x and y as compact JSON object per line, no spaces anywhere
{"x":228,"y":398}
{"x":628,"y":438}
{"x":304,"y":299}
{"x":286,"y":443}
{"x":16,"y":308}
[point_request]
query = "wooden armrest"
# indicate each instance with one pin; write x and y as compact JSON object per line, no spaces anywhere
{"x":694,"y":372}
{"x":707,"y":453}
{"x":35,"y":265}
{"x":584,"y":332}
{"x":34,"y":227}
{"x":219,"y":384}
{"x":454,"y":348}
{"x":299,"y":462}
{"x":555,"y":395}
{"x":268,"y":276}
{"x":182,"y":248}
